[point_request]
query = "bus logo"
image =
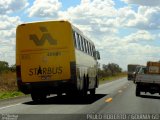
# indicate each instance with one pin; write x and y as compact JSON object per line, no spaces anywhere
{"x":46,"y":36}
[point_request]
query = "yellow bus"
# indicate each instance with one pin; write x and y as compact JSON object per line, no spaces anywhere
{"x":54,"y":57}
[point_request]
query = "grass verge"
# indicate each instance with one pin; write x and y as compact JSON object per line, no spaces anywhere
{"x":111,"y":78}
{"x":10,"y":94}
{"x":8,"y":86}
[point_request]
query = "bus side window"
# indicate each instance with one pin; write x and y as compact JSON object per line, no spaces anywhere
{"x":76,"y":36}
{"x":82,"y":44}
{"x":75,"y":42}
{"x":78,"y":41}
{"x":89,"y":48}
{"x":84,"y":48}
{"x":86,"y":45}
{"x":92,"y":50}
{"x":81,"y":40}
{"x":84,"y":41}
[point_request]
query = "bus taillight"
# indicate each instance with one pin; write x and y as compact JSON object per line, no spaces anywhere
{"x":18,"y":72}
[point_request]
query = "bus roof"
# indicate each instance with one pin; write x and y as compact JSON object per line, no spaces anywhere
{"x":81,"y":33}
{"x":73,"y":27}
{"x":45,"y":21}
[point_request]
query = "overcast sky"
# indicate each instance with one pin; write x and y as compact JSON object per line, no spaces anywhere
{"x":124,"y":31}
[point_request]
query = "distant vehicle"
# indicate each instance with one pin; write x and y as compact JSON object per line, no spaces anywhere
{"x":54,"y":57}
{"x":137,"y":71}
{"x":131,"y":71}
{"x":148,"y":79}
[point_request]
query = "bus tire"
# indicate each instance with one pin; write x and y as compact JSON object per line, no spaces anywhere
{"x":36,"y":97}
{"x":85,"y":86}
{"x":97,"y":82}
{"x":72,"y":93}
{"x":93,"y":91}
{"x":59,"y":94}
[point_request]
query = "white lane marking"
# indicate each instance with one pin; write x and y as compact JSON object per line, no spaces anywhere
{"x":120,"y":91}
{"x":9,"y":106}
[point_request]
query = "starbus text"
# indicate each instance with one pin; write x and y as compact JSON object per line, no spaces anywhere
{"x":45,"y":70}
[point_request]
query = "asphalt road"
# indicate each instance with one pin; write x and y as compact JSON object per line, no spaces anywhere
{"x":113,"y":97}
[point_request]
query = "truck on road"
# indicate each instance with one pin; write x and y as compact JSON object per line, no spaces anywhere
{"x":131,"y":71}
{"x":148,"y":79}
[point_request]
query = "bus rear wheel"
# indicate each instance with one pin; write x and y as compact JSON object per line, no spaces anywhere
{"x":93,"y":91}
{"x":83,"y":93}
{"x":37,"y":97}
{"x":85,"y":86}
{"x":59,"y":94}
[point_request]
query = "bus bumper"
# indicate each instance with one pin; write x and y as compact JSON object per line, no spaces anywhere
{"x":53,"y":87}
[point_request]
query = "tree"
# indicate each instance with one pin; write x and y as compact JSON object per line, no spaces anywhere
{"x":4,"y":66}
{"x":110,"y":69}
{"x":106,"y":70}
{"x":114,"y":68}
{"x":13,"y":68}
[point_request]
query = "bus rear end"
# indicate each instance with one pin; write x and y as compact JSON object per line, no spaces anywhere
{"x":44,"y":58}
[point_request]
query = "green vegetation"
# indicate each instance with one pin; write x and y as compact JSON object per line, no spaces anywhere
{"x":110,"y":69}
{"x":10,"y":94}
{"x":8,"y":81}
{"x":8,"y":84}
{"x":111,"y":78}
{"x":4,"y":67}
{"x":110,"y":72}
